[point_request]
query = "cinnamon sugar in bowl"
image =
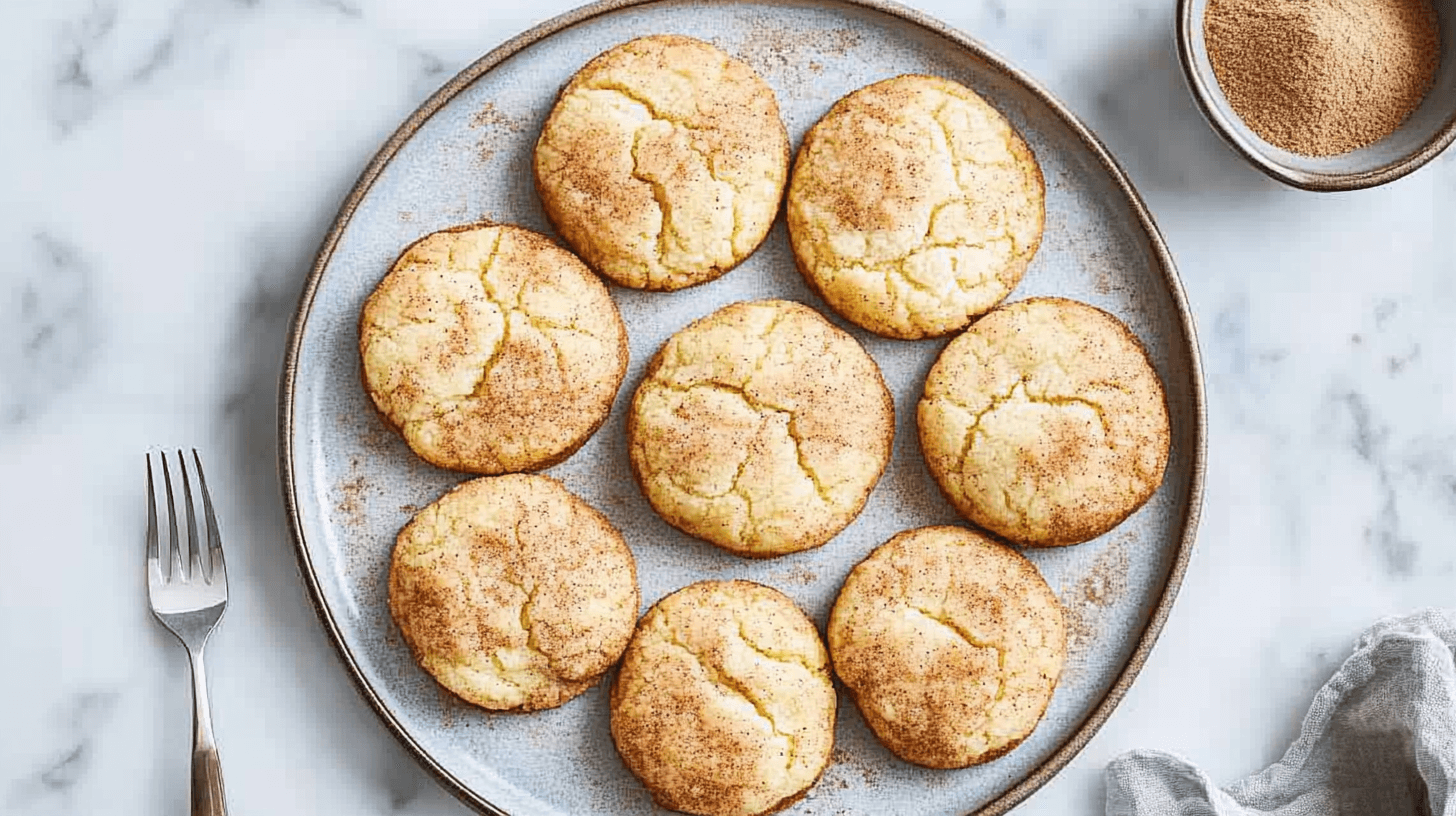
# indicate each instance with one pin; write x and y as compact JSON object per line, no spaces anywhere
{"x":1324,"y":95}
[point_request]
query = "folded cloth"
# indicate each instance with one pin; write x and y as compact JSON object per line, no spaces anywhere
{"x":1379,"y":740}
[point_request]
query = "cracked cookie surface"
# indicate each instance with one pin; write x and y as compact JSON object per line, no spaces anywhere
{"x":1045,"y":422}
{"x":761,"y":428}
{"x":513,"y":593}
{"x":492,"y":350}
{"x":950,"y":643}
{"x":724,"y":705}
{"x":663,"y":162}
{"x":914,"y":206}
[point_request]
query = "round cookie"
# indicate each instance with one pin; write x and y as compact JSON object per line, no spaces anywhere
{"x":513,"y":593}
{"x":724,"y":705}
{"x":492,"y":349}
{"x":1045,"y":422}
{"x":663,"y":162}
{"x":950,"y":643}
{"x":914,"y":206}
{"x":761,"y":428}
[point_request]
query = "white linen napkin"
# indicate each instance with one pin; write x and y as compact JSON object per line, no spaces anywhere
{"x":1379,"y":740}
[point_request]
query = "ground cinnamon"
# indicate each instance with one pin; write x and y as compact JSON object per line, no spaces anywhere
{"x":1322,"y":77}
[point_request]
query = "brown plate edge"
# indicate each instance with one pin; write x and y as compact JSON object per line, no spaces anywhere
{"x":1090,"y":724}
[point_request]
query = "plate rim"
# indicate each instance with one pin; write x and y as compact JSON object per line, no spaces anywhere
{"x":1091,"y":722}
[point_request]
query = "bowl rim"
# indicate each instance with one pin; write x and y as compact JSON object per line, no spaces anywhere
{"x":1223,"y":125}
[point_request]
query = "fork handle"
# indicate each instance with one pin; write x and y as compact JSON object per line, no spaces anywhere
{"x":207,"y":794}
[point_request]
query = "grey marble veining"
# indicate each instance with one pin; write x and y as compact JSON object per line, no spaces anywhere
{"x":52,"y":334}
{"x":169,"y":166}
{"x":84,"y":714}
{"x":75,"y":87}
{"x":109,"y":49}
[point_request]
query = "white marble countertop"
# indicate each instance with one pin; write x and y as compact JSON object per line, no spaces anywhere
{"x":168,"y":167}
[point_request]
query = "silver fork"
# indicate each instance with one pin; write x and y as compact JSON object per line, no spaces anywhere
{"x":189,"y":600}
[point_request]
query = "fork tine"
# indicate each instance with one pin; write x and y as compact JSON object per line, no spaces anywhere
{"x":152,"y":562}
{"x":194,"y":563}
{"x":215,"y":565}
{"x":174,"y":558}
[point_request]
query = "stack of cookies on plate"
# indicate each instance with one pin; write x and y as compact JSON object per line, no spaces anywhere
{"x":914,"y":208}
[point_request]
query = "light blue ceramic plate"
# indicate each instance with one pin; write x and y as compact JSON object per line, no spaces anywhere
{"x":350,"y":483}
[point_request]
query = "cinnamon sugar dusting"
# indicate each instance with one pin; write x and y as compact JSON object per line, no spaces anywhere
{"x":496,"y":125}
{"x":867,"y":770}
{"x":353,"y":502}
{"x":1103,"y":585}
{"x":490,"y":117}
{"x":798,"y":576}
{"x":771,"y":49}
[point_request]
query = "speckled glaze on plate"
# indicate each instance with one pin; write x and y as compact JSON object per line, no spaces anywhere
{"x":350,"y":483}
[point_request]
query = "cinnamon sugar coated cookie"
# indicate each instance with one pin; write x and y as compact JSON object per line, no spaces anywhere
{"x":513,"y":593}
{"x":724,"y":705}
{"x":914,"y":206}
{"x":492,"y":350}
{"x":1045,"y":422}
{"x":761,"y":428}
{"x":951,"y":645}
{"x":663,"y":162}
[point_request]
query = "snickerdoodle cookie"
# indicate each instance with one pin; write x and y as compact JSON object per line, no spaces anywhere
{"x":761,"y":428}
{"x":515,"y":594}
{"x":663,"y":162}
{"x":1045,"y":422}
{"x":492,"y":350}
{"x":724,"y":705}
{"x":950,"y":643}
{"x":914,"y":206}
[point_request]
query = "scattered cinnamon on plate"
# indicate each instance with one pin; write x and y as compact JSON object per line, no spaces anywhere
{"x":1323,"y":77}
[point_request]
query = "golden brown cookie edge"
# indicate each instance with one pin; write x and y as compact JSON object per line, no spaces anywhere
{"x":1079,"y":534}
{"x":871,"y":719}
{"x":614,"y":696}
{"x":571,"y":689}
{"x":459,"y":465}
